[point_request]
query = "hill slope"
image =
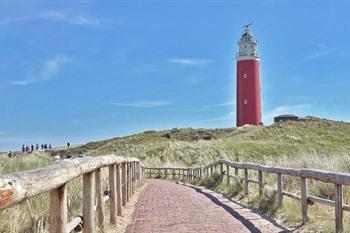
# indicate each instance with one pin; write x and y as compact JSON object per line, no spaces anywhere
{"x":284,"y":141}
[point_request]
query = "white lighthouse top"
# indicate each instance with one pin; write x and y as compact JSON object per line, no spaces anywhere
{"x":248,"y":46}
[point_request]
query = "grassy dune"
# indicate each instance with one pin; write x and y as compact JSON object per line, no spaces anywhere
{"x":314,"y":143}
{"x":286,"y":143}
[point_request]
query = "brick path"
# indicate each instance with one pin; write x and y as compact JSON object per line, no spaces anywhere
{"x":169,"y":207}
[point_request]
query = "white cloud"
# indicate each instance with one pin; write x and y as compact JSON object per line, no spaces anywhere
{"x":299,"y":110}
{"x":220,"y":105}
{"x":49,"y":70}
{"x":190,"y":61}
{"x":231,"y":116}
{"x":23,"y":82}
{"x":57,"y":16}
{"x":78,"y":19}
{"x":141,"y":104}
{"x":316,"y":55}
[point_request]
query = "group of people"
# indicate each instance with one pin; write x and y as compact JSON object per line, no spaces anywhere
{"x":68,"y":156}
{"x":26,"y":149}
{"x":29,"y":149}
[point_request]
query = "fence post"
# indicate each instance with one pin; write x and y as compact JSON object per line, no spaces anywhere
{"x":279,"y":190}
{"x":228,"y":174}
{"x":88,"y":202}
{"x":58,"y":210}
{"x":124,"y":188}
{"x":132,"y":178}
{"x":304,"y":203}
{"x":129,"y":180}
{"x":261,"y":184}
{"x":221,"y":169}
{"x":119,"y":190}
{"x":236,"y":171}
{"x":139,"y":175}
{"x":338,"y":208}
{"x":246,"y":184}
{"x":100,"y":201}
{"x":113,"y":195}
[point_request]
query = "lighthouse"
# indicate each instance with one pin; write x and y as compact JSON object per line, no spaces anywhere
{"x":248,"y":107}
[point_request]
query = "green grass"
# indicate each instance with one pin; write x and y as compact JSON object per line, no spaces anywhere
{"x":321,"y":139}
{"x":315,"y":143}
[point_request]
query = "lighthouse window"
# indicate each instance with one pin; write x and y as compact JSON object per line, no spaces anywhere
{"x":245,"y":75}
{"x":245,"y":101}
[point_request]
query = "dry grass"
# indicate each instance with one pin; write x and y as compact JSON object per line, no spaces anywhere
{"x":128,"y":210}
{"x":315,"y":143}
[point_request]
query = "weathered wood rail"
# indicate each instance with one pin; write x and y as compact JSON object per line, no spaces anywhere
{"x":225,"y":168}
{"x":125,"y":176}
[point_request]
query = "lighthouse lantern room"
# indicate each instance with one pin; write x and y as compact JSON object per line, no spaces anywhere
{"x":248,"y":80}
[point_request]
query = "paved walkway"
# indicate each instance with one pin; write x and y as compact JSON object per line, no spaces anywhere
{"x":169,"y":207}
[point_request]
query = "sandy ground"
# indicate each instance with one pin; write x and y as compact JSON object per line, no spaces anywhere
{"x":128,"y":210}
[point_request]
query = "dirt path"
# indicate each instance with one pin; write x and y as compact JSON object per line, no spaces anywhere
{"x":166,"y":206}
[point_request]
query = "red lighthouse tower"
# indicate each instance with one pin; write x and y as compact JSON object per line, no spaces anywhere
{"x":248,"y":80}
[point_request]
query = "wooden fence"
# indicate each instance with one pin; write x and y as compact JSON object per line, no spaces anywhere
{"x":125,"y":176}
{"x":225,"y":167}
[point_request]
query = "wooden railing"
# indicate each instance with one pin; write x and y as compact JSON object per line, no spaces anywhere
{"x":125,"y":176}
{"x":338,"y":179}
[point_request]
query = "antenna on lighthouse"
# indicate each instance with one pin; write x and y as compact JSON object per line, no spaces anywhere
{"x":247,"y":26}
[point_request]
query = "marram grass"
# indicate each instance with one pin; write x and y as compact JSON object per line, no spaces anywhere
{"x":315,"y":143}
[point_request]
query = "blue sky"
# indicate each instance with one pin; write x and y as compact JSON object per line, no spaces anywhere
{"x":88,"y":70}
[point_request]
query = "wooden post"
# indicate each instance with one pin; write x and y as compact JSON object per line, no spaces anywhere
{"x":236,"y":171}
{"x":304,"y":203}
{"x":173,"y":173}
{"x":58,"y":210}
{"x":133,"y":177}
{"x":130,"y":179}
{"x":129,"y":182}
{"x":279,"y":190}
{"x":261,"y":184}
{"x":88,"y":202}
{"x":124,"y":188}
{"x":188,"y":173}
{"x":228,"y":174}
{"x":246,"y":184}
{"x":119,"y":190}
{"x":338,"y":208}
{"x":139,"y":175}
{"x":221,"y":169}
{"x":113,"y":194}
{"x":100,"y":200}
{"x":166,"y":172}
